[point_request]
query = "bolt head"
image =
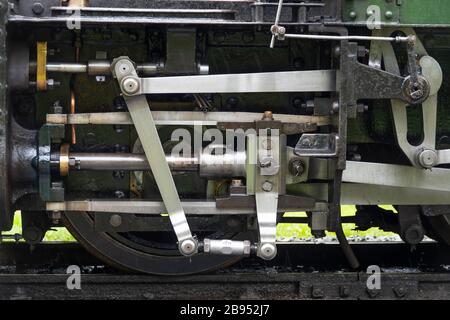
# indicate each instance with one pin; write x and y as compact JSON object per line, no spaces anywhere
{"x":335,"y":107}
{"x":267,"y":186}
{"x":130,"y":85}
{"x":389,"y":14}
{"x":344,"y":291}
{"x":400,"y":292}
{"x":428,"y":159}
{"x":38,"y":8}
{"x":296,"y":167}
{"x":124,"y":67}
{"x":268,"y":115}
{"x":188,"y":247}
{"x":115,"y":220}
{"x":278,"y":30}
{"x":267,"y":251}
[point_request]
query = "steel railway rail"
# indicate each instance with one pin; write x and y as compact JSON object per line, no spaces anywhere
{"x":297,"y":273}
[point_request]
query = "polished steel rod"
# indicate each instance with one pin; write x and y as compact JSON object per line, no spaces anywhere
{"x":227,"y":165}
{"x":99,"y":68}
{"x":126,"y":162}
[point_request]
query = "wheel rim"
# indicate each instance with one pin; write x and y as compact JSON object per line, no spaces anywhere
{"x":121,"y":255}
{"x":440,"y":228}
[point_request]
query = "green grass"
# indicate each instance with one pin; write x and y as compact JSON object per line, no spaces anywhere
{"x":284,"y":230}
{"x":56,"y":234}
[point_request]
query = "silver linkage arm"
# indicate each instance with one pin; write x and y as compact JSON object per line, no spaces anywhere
{"x":270,"y":181}
{"x":290,"y":81}
{"x":269,"y":184}
{"x":148,"y":134}
{"x":424,"y":155}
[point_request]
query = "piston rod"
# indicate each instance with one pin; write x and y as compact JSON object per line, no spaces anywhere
{"x":125,"y":162}
{"x":230,"y":164}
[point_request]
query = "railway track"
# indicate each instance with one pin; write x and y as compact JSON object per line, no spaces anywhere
{"x":423,"y":273}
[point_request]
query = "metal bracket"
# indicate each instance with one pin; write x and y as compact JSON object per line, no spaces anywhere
{"x":49,"y":190}
{"x":317,"y":145}
{"x":269,"y":184}
{"x":411,"y":228}
{"x":279,"y":33}
{"x":413,"y":89}
{"x":124,"y":70}
{"x":425,"y":154}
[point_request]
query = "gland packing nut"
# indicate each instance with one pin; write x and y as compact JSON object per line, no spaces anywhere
{"x":64,"y":160}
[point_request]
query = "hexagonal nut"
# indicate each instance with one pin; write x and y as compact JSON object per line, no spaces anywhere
{"x":428,"y":158}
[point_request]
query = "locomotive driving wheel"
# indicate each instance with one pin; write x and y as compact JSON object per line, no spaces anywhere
{"x":438,"y":225}
{"x":146,"y":252}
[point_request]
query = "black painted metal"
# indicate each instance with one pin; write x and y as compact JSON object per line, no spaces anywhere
{"x":234,"y":12}
{"x":419,"y":276}
{"x":354,"y":79}
{"x":293,"y":256}
{"x":5,"y":189}
{"x":336,"y":286}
